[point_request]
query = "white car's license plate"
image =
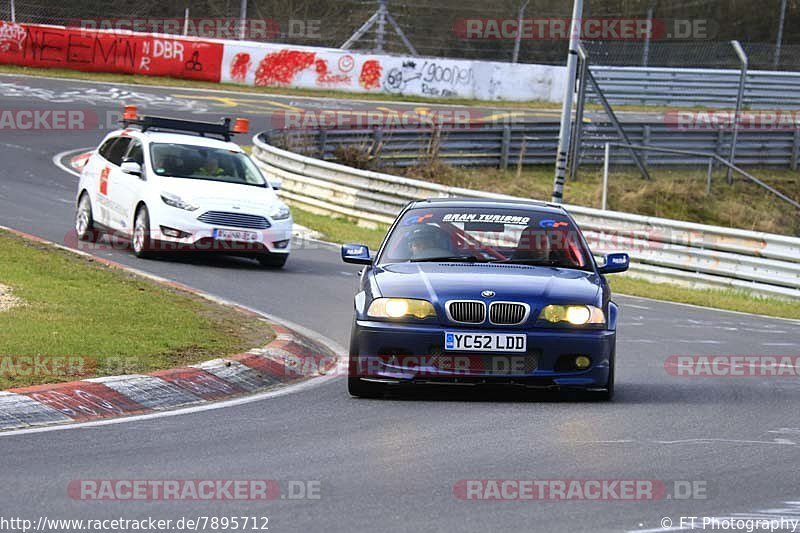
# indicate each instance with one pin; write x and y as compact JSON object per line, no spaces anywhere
{"x":235,"y":235}
{"x":485,"y":342}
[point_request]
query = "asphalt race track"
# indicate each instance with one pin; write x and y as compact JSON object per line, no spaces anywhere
{"x":392,"y":465}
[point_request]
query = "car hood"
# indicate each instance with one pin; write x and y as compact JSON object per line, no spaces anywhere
{"x":219,"y":195}
{"x":537,"y":286}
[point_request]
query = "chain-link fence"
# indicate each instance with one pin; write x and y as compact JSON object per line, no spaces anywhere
{"x":682,"y":33}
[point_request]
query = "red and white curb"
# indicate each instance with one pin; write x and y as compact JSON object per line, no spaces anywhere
{"x":292,"y":357}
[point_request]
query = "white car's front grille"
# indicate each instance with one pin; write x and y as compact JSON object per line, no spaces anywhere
{"x":234,"y":220}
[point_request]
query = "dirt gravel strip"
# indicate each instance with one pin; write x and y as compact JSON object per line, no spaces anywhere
{"x":290,"y":358}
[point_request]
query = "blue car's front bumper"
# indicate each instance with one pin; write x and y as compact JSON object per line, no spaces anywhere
{"x":399,"y":353}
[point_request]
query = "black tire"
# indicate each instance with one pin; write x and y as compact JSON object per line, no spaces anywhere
{"x":84,"y":220}
{"x":364,"y":389}
{"x":273,"y":260}
{"x":140,"y":240}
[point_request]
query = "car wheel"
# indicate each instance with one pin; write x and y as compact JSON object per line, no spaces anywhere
{"x":273,"y":260}
{"x":141,"y":234}
{"x":364,"y":389}
{"x":84,"y":221}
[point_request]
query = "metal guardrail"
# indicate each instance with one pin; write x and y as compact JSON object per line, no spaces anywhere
{"x":500,"y":146}
{"x":697,"y":87}
{"x":660,"y":249}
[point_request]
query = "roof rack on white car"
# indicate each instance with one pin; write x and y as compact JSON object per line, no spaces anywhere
{"x":131,"y":118}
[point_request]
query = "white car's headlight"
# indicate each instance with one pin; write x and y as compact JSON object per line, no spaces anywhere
{"x":400,"y":308}
{"x":577,"y":315}
{"x":280,"y":212}
{"x":176,"y":201}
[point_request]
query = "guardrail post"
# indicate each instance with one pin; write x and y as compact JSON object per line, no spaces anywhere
{"x":708,"y":176}
{"x":521,"y":155}
{"x":323,"y":142}
{"x":377,"y":142}
{"x":505,"y":147}
{"x":646,"y":141}
{"x":795,"y":148}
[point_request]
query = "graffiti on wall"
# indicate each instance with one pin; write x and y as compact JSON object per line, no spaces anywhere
{"x":12,"y":37}
{"x":97,"y":51}
{"x":434,"y":78}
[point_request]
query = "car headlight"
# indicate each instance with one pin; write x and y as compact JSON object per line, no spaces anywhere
{"x":176,"y":201}
{"x":577,"y":315}
{"x":400,"y":308}
{"x":280,"y":212}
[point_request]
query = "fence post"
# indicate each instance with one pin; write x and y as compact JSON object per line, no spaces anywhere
{"x":13,"y":12}
{"x":605,"y":174}
{"x":739,"y":101}
{"x":708,"y":176}
{"x":505,"y":147}
{"x":645,"y":141}
{"x":795,"y":148}
{"x":518,"y":37}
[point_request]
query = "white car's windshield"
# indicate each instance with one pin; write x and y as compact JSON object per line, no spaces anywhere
{"x":203,"y":163}
{"x":494,"y":235}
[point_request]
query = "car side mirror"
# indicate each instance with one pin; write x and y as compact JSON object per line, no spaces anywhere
{"x":276,"y":185}
{"x":356,"y":254}
{"x":615,"y":263}
{"x":131,"y":167}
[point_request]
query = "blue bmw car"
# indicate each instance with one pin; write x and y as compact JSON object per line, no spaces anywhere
{"x":478,"y":292}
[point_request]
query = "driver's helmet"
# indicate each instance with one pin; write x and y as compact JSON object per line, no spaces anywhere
{"x":424,"y":237}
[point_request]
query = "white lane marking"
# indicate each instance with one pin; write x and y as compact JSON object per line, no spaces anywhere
{"x":779,"y":441}
{"x":713,"y":309}
{"x":704,"y":341}
{"x":765,"y":330}
{"x":637,"y":306}
{"x":779,"y":344}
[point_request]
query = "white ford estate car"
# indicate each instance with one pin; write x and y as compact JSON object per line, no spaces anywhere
{"x":168,"y":186}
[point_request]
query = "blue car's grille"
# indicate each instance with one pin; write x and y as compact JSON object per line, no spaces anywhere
{"x":234,"y":220}
{"x":508,"y":313}
{"x":467,"y":311}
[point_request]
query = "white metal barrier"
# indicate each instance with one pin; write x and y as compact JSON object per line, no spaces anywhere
{"x":660,"y":249}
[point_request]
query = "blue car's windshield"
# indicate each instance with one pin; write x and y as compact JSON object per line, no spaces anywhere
{"x":486,"y":235}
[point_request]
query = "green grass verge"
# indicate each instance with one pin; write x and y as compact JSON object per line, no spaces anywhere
{"x":116,"y":322}
{"x":341,"y":230}
{"x":718,"y":299}
{"x":674,"y":193}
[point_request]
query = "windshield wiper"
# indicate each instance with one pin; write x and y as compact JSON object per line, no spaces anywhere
{"x":447,"y":259}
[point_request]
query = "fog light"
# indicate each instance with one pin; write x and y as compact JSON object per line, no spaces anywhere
{"x":174,"y":233}
{"x":280,"y":244}
{"x":582,"y":362}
